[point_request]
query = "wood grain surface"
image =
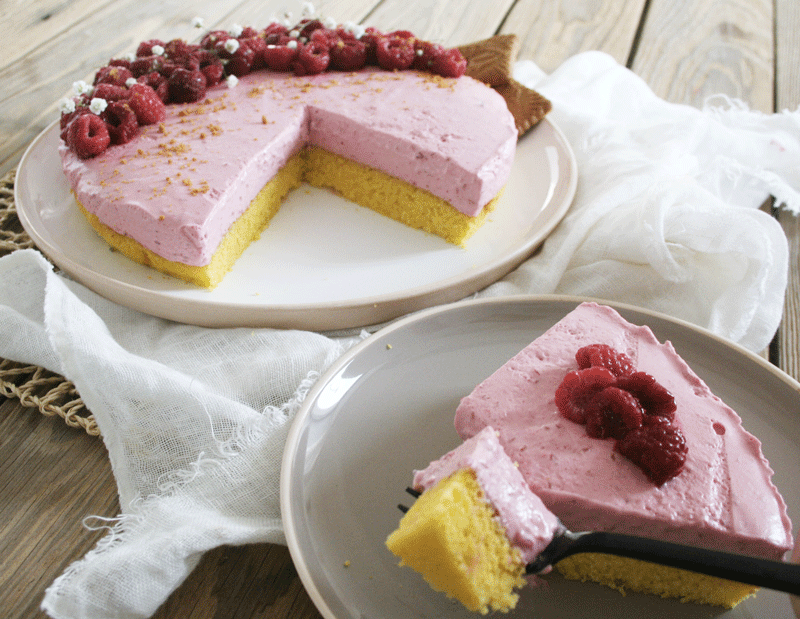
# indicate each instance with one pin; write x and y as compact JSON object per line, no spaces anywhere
{"x":55,"y":481}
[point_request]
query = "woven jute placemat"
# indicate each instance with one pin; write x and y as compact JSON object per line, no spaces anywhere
{"x":34,"y":386}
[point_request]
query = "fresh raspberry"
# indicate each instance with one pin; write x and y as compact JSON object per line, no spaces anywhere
{"x":451,"y":63}
{"x":146,"y":47}
{"x":240,"y":62}
{"x":612,"y":413}
{"x":213,"y":74}
{"x":655,"y":399}
{"x":146,"y":104}
{"x":605,"y":356}
{"x":309,"y":26}
{"x":348,"y":55}
{"x":395,"y":53}
{"x":211,"y":39}
{"x":120,"y":121}
{"x":313,"y":58}
{"x":280,"y":57}
{"x":67,"y":118}
{"x":370,"y":39}
{"x":179,"y":51}
{"x":120,"y":62}
{"x":112,"y":75}
{"x":575,"y":393}
{"x":87,"y":135}
{"x":658,"y":448}
{"x":146,"y":64}
{"x":273,"y":31}
{"x":424,"y":53}
{"x":186,"y":86}
{"x":110,"y":92}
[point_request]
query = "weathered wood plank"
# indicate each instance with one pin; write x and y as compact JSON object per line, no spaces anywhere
{"x":787,"y":97}
{"x":53,"y":477}
{"x":692,"y":49}
{"x":551,"y":32}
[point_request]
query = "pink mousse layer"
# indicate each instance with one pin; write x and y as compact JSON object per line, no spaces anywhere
{"x":178,"y":187}
{"x":724,"y":498}
{"x":529,"y":525}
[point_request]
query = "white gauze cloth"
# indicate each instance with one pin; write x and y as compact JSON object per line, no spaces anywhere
{"x":666,"y":217}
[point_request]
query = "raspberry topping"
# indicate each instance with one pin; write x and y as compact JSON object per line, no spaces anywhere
{"x":658,"y":447}
{"x":615,"y":401}
{"x":619,"y":364}
{"x":87,"y":135}
{"x":179,"y":72}
{"x":578,"y":390}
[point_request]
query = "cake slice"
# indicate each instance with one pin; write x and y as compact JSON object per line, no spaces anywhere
{"x":718,"y":492}
{"x":475,"y":526}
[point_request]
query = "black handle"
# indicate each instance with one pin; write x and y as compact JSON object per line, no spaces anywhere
{"x":740,"y":568}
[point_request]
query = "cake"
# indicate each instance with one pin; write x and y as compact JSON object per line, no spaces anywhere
{"x":249,"y":116}
{"x":475,"y":526}
{"x":613,"y":431}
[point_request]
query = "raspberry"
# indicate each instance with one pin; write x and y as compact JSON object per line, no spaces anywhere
{"x":146,"y":47}
{"x":210,"y":40}
{"x":186,"y":86}
{"x":146,"y":64}
{"x":312,"y":58}
{"x":241,"y":61}
{"x":272,"y":32}
{"x":658,"y":448}
{"x":424,"y":53}
{"x":612,"y":413}
{"x":576,"y":391}
{"x":370,"y":39}
{"x":112,"y":75}
{"x":280,"y":57}
{"x":110,"y":92}
{"x":87,"y":135}
{"x":394,"y":53}
{"x":450,"y":63}
{"x":654,"y":398}
{"x":146,"y":104}
{"x":121,"y":122}
{"x":605,"y":356}
{"x":67,"y":118}
{"x":213,"y":74}
{"x":348,"y":55}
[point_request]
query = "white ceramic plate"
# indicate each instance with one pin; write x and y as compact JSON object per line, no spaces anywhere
{"x":387,"y":407}
{"x":324,"y":263}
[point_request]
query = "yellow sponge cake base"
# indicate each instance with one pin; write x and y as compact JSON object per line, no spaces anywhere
{"x":625,"y":574}
{"x":451,"y":536}
{"x":361,"y":184}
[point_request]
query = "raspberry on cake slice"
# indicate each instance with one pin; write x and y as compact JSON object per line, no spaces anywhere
{"x":475,"y":526}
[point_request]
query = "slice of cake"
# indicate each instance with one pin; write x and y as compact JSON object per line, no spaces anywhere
{"x":671,"y":461}
{"x":475,"y":526}
{"x":251,"y":115}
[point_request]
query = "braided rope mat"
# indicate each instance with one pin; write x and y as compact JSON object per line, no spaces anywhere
{"x":34,"y":386}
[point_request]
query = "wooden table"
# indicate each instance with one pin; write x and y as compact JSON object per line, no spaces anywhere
{"x":53,"y":476}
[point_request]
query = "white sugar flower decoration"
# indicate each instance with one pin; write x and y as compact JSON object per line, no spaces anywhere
{"x":329,"y":22}
{"x":291,"y":44}
{"x":66,"y":106}
{"x":236,"y":30}
{"x":356,"y":30}
{"x":231,"y":45}
{"x":130,"y":81}
{"x":198,"y":22}
{"x":130,"y":56}
{"x":81,"y":88}
{"x":308,"y":9}
{"x":231,"y":81}
{"x":98,"y":105}
{"x":157,"y":50}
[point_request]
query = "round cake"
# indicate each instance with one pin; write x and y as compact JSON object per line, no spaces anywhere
{"x":180,"y":156}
